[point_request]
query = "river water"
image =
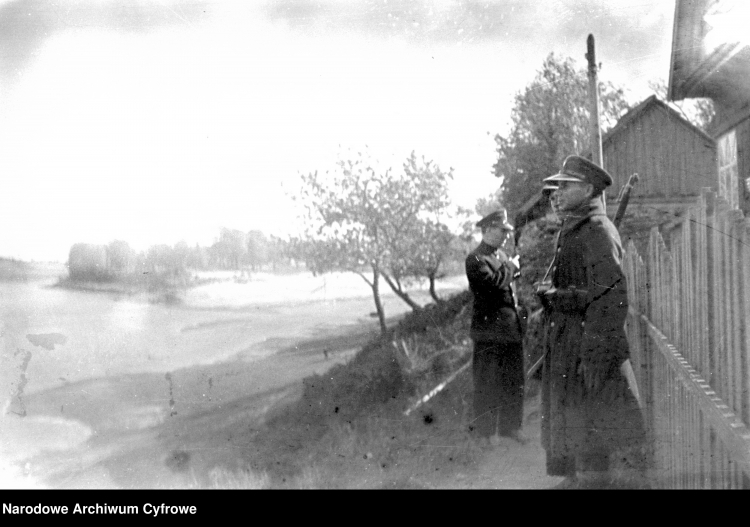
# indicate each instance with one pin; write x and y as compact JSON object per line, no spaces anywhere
{"x":67,"y":354}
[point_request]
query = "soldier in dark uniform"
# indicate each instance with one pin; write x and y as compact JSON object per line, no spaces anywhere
{"x":590,"y":406}
{"x":496,"y":332}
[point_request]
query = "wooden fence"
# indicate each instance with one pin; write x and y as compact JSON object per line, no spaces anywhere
{"x":689,"y":331}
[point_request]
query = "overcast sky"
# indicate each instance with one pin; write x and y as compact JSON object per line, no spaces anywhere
{"x":154,"y":121}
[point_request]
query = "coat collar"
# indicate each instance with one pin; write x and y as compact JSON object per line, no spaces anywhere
{"x":574,"y":218}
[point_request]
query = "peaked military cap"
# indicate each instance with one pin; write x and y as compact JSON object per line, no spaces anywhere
{"x":499,"y":217}
{"x":577,"y":168}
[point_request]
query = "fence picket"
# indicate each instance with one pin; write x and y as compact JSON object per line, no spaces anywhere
{"x":744,"y":262}
{"x":720,"y":284}
{"x":735,"y":310}
{"x":688,"y":326}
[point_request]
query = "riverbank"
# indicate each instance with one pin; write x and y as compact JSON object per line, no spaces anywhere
{"x":223,"y":392}
{"x":154,"y":289}
{"x":185,"y":429}
{"x":20,"y":271}
{"x":325,"y":411}
{"x":348,"y":429}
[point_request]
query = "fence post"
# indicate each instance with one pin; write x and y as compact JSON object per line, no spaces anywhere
{"x":744,"y":287}
{"x":722,"y":289}
{"x":695,"y":294}
{"x":703,"y":286}
{"x":735,"y":306}
{"x":711,"y":289}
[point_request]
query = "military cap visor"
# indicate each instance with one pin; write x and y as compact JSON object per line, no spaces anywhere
{"x":580,"y":169}
{"x":498,"y":218}
{"x":562,"y":176}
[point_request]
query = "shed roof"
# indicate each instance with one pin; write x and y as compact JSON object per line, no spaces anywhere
{"x":536,"y":205}
{"x":650,"y":104}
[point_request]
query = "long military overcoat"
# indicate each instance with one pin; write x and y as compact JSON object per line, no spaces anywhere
{"x":589,"y":402}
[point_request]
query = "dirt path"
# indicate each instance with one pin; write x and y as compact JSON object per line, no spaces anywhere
{"x":509,"y":465}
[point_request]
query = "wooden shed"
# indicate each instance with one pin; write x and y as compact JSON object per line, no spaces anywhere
{"x":711,"y":58}
{"x":674,"y":159}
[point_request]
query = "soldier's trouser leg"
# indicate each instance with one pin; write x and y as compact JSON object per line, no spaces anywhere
{"x":486,"y":390}
{"x":511,"y":381}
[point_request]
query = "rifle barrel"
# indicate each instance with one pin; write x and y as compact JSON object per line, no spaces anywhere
{"x":624,"y":199}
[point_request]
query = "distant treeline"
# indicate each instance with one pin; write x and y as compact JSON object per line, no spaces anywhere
{"x":232,"y":250}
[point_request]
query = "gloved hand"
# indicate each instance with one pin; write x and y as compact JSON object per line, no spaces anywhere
{"x":542,"y":290}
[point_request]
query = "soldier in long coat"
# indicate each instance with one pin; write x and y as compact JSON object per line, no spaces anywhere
{"x":590,"y":406}
{"x":496,"y":331}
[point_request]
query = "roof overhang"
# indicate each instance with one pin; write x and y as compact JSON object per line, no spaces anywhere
{"x":651,"y":103}
{"x":710,"y":58}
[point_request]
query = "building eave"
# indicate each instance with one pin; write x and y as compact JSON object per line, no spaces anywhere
{"x":652,"y":102}
{"x":722,"y":74}
{"x":671,"y":89}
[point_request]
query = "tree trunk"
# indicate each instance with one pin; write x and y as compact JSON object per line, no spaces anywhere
{"x":433,"y":293}
{"x":401,"y":294}
{"x":376,"y":295}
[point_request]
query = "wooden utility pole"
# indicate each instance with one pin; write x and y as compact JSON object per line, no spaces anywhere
{"x":596,"y":132}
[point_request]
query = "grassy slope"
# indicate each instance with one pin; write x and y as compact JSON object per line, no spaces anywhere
{"x":348,"y":430}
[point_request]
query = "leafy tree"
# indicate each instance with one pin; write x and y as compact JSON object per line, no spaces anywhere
{"x":181,"y":254}
{"x":488,"y":204}
{"x":121,"y":257}
{"x":230,"y":249}
{"x":160,"y":259}
{"x":427,"y":243}
{"x":373,"y":223}
{"x":343,"y":218}
{"x":537,"y":248}
{"x":198,"y":257}
{"x":278,"y":251}
{"x":434,"y":244}
{"x":257,"y":249}
{"x":549,"y":121}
